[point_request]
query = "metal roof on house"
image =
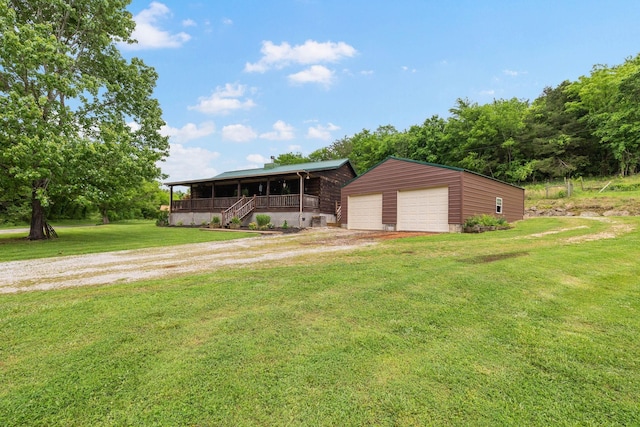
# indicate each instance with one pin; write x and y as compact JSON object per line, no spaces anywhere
{"x":270,"y":170}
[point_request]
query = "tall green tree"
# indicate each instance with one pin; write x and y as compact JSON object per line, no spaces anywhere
{"x":608,"y":99}
{"x":427,"y":142}
{"x":291,"y":158}
{"x":557,"y":140}
{"x":370,"y":148}
{"x":339,"y":149}
{"x":65,"y":91}
{"x":486,"y":138}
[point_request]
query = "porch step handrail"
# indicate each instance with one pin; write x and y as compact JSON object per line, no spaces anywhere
{"x":241,"y":209}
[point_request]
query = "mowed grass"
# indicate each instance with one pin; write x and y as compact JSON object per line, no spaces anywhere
{"x":118,"y":236}
{"x":517,"y":327}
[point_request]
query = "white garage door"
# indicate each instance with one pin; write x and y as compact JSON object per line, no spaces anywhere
{"x":424,"y":210}
{"x":365,"y":212}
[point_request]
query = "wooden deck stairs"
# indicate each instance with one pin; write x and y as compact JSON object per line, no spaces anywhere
{"x":240,"y":209}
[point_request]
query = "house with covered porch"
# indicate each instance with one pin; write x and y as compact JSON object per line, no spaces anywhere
{"x":299,"y":194}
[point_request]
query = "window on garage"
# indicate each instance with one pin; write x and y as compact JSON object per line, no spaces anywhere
{"x":498,"y":205}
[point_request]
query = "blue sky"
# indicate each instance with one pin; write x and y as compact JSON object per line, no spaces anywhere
{"x":242,"y":80}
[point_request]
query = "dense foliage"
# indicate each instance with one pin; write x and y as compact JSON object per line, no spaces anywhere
{"x":78,"y":122}
{"x":585,"y":128}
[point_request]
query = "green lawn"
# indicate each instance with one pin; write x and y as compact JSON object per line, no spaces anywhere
{"x":104,"y":238}
{"x":512,"y":327}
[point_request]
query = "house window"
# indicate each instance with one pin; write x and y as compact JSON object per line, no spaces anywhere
{"x":499,"y":205}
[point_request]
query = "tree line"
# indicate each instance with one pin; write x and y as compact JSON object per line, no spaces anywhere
{"x":589,"y":127}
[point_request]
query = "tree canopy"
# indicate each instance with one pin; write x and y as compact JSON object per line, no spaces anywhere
{"x":76,"y":116}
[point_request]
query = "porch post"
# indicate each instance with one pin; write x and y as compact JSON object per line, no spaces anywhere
{"x":268,"y":192}
{"x":170,"y":199}
{"x":191,"y":197}
{"x":239,"y":190}
{"x":213,"y":194}
{"x":301,"y":197}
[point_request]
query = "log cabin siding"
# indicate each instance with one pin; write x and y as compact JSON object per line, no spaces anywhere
{"x":330,"y":186}
{"x":469,"y":193}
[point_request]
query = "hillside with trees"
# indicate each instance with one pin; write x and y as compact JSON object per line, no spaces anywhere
{"x":590,"y":127}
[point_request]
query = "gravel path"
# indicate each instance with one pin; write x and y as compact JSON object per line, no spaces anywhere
{"x":133,"y":265}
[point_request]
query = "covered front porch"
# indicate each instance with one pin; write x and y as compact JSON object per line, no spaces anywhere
{"x":280,"y":193}
{"x":282,"y":197}
{"x":294,"y":193}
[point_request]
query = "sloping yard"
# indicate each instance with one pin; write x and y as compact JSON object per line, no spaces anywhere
{"x":537,"y":325}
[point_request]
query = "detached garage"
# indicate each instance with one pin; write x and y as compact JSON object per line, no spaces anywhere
{"x":407,"y":195}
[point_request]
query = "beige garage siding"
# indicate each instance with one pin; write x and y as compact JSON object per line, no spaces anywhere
{"x":424,"y":210}
{"x":365,"y":212}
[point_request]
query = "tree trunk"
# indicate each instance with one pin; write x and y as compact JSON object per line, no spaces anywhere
{"x":105,"y":216}
{"x":36,"y":231}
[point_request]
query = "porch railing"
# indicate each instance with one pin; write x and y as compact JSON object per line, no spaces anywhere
{"x":240,"y":209}
{"x":261,"y":202}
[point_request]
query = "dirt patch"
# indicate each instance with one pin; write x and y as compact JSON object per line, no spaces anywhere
{"x":562,"y":230}
{"x":483,"y":259}
{"x":615,"y":231}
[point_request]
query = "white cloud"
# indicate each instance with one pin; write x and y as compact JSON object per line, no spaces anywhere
{"x":227,"y":21}
{"x":513,"y":73}
{"x":281,"y":132}
{"x":488,"y":92}
{"x":225,"y":100}
{"x":311,"y":52}
{"x":322,"y":132}
{"x":257,"y":159}
{"x":189,"y":163}
{"x":409,"y":70}
{"x":149,"y":35}
{"x":314,"y":74}
{"x":188,"y":132}
{"x":189,"y":23}
{"x":295,"y":148}
{"x":238,"y":133}
{"x":366,"y":72}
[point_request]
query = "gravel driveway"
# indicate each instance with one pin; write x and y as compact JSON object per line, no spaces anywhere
{"x":128,"y":266}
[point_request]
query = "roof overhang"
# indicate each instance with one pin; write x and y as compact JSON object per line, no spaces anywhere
{"x":267,"y":172}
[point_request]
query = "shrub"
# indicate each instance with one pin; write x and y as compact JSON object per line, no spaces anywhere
{"x":235,"y":220}
{"x":162,"y":219}
{"x":484,"y":220}
{"x":285,"y":225}
{"x":625,"y":187}
{"x":263,"y":220}
{"x":215,"y":220}
{"x":253,"y":226}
